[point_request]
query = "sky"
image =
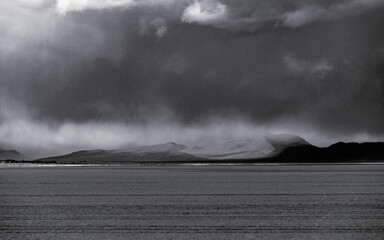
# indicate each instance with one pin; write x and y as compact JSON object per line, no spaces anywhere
{"x":85,"y":74}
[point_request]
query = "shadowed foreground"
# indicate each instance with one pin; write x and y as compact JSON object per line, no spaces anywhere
{"x":193,"y":202}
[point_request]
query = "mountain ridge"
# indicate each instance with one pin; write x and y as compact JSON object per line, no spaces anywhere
{"x":341,"y":151}
{"x":281,"y":148}
{"x":11,"y":155}
{"x":155,"y":153}
{"x":173,"y":152}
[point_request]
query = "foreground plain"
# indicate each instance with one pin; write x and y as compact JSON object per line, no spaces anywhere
{"x":193,"y":202}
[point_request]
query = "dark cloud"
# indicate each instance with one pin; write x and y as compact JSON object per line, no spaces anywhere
{"x":288,"y":65}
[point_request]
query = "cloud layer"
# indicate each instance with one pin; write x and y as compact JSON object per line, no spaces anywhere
{"x":308,"y":67}
{"x":64,"y":6}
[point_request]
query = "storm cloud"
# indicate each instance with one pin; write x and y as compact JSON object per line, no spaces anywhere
{"x":85,"y":74}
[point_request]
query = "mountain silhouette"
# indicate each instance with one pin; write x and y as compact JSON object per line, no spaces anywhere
{"x":11,"y":155}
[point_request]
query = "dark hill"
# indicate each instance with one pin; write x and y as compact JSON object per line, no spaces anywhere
{"x":338,"y":152}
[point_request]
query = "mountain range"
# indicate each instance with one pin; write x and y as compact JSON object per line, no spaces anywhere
{"x":283,"y":148}
{"x":273,"y":148}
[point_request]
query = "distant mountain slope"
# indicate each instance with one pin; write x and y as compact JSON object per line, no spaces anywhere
{"x":169,"y":147}
{"x":282,"y":141}
{"x":10,"y":155}
{"x":161,"y":152}
{"x":282,"y":148}
{"x":229,"y":149}
{"x":338,"y":152}
{"x":247,"y":148}
{"x":171,"y":152}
